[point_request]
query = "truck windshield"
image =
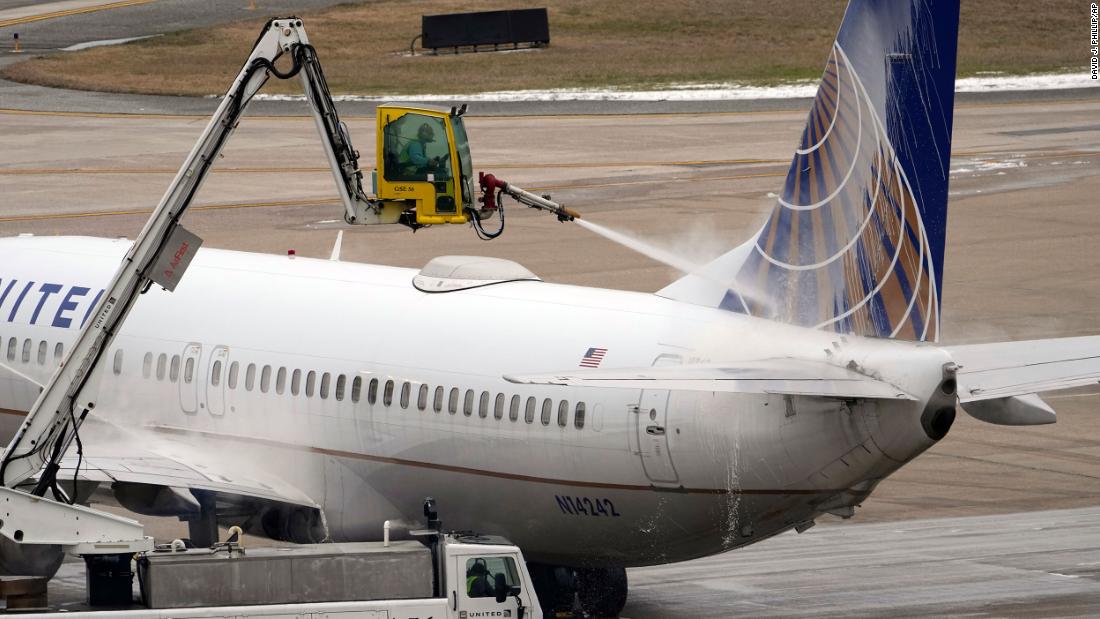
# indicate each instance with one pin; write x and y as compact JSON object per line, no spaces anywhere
{"x":465,"y":166}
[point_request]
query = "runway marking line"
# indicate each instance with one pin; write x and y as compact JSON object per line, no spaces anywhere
{"x":77,"y":11}
{"x":291,"y":170}
{"x":646,"y":115}
{"x":203,"y":207}
{"x":313,"y":201}
{"x":506,"y":166}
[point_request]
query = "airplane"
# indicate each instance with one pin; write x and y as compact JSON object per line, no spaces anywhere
{"x":310,"y":400}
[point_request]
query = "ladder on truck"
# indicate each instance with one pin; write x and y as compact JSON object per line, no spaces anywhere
{"x":160,"y":255}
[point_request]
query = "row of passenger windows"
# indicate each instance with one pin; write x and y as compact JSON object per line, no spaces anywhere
{"x":29,"y":351}
{"x":169,"y":368}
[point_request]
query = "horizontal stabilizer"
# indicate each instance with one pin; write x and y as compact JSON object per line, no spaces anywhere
{"x":765,"y":376}
{"x":1017,"y":410}
{"x":990,"y":371}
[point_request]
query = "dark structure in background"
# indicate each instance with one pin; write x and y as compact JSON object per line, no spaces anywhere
{"x":457,"y":30}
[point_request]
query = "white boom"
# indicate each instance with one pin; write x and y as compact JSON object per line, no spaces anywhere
{"x":163,"y":249}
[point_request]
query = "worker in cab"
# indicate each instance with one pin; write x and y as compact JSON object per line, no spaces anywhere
{"x":414,"y":161}
{"x":478,"y":583}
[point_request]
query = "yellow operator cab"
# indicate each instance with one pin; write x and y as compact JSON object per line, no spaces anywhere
{"x":424,"y":162}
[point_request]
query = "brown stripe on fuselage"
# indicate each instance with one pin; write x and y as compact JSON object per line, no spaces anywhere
{"x":480,"y":472}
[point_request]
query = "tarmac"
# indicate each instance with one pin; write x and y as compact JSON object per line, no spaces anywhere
{"x":993,"y":521}
{"x":1021,"y":263}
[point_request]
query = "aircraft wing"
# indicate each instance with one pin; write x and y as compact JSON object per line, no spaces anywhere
{"x":765,"y":376}
{"x":124,"y":456}
{"x":1001,"y":370}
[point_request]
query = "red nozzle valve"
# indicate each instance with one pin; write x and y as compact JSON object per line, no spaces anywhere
{"x":489,"y":185}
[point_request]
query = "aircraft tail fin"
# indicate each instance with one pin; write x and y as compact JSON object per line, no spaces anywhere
{"x":855,"y":243}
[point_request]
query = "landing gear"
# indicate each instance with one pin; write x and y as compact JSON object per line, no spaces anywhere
{"x":594,"y":592}
{"x":601,"y":591}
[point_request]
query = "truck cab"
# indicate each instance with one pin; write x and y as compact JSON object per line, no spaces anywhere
{"x":487,"y":577}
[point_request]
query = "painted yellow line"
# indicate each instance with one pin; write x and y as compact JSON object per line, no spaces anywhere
{"x":298,"y":170}
{"x":128,"y":115}
{"x":78,"y":11}
{"x":117,"y":171}
{"x":696,"y":163}
{"x":313,"y":201}
{"x":654,"y":181}
{"x":204,"y":207}
{"x":512,"y":117}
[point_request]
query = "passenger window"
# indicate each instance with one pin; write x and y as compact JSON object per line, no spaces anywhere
{"x":249,"y":376}
{"x":174,"y":369}
{"x":563,"y":413}
{"x":162,"y":366}
{"x":578,"y":416}
{"x":12,"y":345}
{"x":547,"y":409}
{"x":43,"y":348}
{"x":234,"y":370}
{"x":387,"y":393}
{"x":468,"y":403}
{"x":265,"y":379}
{"x":452,"y":401}
{"x":117,"y":367}
{"x":58,"y":351}
{"x":27,"y":350}
{"x":216,"y":373}
{"x":356,"y":388}
{"x":146,"y":365}
{"x":438,"y":403}
{"x":311,"y":383}
{"x":422,"y":398}
{"x":529,"y":414}
{"x":280,"y":381}
{"x":406,"y":389}
{"x":498,"y":409}
{"x":482,"y":573}
{"x":372,"y":391}
{"x":296,"y":382}
{"x":341,"y":386}
{"x":513,"y":409}
{"x":483,"y":405}
{"x":189,"y":370}
{"x":326,"y":379}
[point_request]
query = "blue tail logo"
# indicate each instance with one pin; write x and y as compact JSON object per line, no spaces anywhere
{"x":856,"y":241}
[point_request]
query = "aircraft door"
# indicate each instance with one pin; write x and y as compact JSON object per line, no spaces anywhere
{"x":190,"y":378}
{"x":215,"y":384}
{"x":650,"y":430}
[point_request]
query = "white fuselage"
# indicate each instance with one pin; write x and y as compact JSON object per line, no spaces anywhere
{"x":293,"y":345}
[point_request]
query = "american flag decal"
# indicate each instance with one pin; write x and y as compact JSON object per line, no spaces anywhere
{"x":593,"y":357}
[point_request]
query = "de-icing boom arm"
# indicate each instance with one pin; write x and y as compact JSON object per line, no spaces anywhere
{"x":163,"y":249}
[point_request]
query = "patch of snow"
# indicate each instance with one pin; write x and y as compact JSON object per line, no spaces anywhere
{"x":985,"y":166}
{"x":105,"y":42}
{"x":709,"y":91}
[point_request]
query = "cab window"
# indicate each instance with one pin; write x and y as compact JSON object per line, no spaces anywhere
{"x":482,"y":574}
{"x":414,"y":146}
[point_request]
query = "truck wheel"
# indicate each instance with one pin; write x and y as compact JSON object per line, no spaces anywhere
{"x":555,"y":587}
{"x":602,"y":592}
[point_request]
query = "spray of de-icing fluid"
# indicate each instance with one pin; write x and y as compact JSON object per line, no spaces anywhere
{"x":673,"y":260}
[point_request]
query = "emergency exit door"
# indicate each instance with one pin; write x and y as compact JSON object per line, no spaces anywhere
{"x":651,"y":431}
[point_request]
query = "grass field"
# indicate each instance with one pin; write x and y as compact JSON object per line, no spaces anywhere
{"x":626,"y":44}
